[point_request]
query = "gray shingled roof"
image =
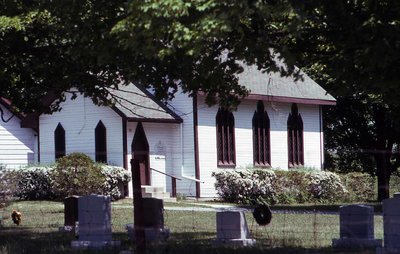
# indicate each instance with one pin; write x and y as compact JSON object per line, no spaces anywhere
{"x":272,"y":84}
{"x":137,"y":103}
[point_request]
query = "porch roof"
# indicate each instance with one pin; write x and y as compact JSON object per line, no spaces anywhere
{"x":137,"y":104}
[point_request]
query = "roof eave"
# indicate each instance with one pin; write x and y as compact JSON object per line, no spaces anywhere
{"x":154,"y":120}
{"x":291,"y":99}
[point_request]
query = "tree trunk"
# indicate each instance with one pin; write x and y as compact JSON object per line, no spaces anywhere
{"x":383,"y":174}
{"x":383,"y":151}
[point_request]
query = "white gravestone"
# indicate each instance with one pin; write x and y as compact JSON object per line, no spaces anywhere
{"x":232,"y":229}
{"x":391,"y":225}
{"x":94,"y":216}
{"x":356,"y":227}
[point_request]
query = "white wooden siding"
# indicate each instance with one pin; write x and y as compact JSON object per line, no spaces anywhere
{"x":184,"y":165}
{"x":17,"y":145}
{"x":278,"y":114}
{"x":79,"y":118}
{"x":163,"y":139}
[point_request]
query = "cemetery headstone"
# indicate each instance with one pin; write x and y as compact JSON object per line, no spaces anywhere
{"x":232,"y":229}
{"x":71,"y":211}
{"x":391,"y":225}
{"x":94,"y":215}
{"x":70,"y":214}
{"x":153,"y":221}
{"x":356,"y":227}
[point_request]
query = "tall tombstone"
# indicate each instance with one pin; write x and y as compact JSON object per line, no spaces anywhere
{"x":94,"y":213}
{"x":232,"y":229}
{"x":391,"y":225}
{"x":356,"y":227}
{"x":70,"y":211}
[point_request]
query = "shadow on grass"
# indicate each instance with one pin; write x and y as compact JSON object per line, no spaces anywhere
{"x":23,"y":241}
{"x":20,"y":240}
{"x":321,"y":207}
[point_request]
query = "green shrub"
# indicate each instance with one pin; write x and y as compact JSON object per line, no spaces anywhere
{"x":394,"y":183}
{"x":77,"y":174}
{"x":360,"y":187}
{"x":33,"y":183}
{"x":291,"y":187}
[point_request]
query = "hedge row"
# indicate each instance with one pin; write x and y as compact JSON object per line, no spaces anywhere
{"x":252,"y":186}
{"x":75,"y":174}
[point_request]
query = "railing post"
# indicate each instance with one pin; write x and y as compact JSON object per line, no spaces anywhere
{"x":173,"y":180}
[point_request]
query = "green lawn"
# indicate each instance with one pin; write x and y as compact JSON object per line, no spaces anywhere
{"x":191,"y":231}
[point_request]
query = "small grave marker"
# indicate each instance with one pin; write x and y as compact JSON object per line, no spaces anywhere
{"x":232,"y":229}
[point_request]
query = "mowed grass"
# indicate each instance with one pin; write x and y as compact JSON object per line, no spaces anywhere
{"x":192,"y":231}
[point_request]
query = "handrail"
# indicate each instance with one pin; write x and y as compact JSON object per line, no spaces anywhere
{"x":173,"y":181}
{"x":165,"y":174}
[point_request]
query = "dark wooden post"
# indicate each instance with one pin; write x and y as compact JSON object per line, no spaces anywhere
{"x":138,"y":213}
{"x":173,"y":179}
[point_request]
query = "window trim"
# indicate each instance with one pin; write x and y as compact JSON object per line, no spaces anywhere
{"x":261,"y":134}
{"x":225,"y":132}
{"x":100,"y":142}
{"x":295,"y":138}
{"x":59,"y":142}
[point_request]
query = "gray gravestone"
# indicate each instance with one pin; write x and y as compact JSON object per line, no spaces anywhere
{"x":232,"y":229}
{"x":71,"y":211}
{"x":94,"y":213}
{"x":391,"y":225}
{"x":356,"y":227}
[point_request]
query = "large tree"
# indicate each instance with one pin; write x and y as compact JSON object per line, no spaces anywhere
{"x":352,"y":47}
{"x":94,"y":44}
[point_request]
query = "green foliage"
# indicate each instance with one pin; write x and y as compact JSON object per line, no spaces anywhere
{"x":291,"y":187}
{"x":165,"y":45}
{"x":76,"y":174}
{"x":350,"y":47}
{"x":360,"y":186}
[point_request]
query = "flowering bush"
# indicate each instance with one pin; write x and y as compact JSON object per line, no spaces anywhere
{"x":116,"y":178}
{"x":245,"y":186}
{"x":33,"y":183}
{"x":62,"y":179}
{"x":251,"y":186}
{"x":325,"y":186}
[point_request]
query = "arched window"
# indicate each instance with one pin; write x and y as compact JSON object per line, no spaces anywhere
{"x":59,"y":141}
{"x":295,"y":138}
{"x":101,"y":142}
{"x":261,"y":137}
{"x":225,"y":123}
